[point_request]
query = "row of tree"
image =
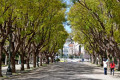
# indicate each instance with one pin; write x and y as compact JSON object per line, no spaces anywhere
{"x":31,"y":27}
{"x":96,"y":24}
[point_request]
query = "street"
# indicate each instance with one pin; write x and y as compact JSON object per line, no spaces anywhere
{"x":67,"y":71}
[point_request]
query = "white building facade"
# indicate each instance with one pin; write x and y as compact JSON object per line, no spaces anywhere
{"x":78,"y":50}
{"x":73,"y":48}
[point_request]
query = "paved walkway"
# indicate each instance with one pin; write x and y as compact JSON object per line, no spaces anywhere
{"x":68,"y":71}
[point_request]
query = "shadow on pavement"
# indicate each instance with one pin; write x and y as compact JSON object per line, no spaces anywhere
{"x":61,"y":71}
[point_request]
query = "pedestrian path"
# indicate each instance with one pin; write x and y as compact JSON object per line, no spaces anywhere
{"x":98,"y":70}
{"x":68,"y":71}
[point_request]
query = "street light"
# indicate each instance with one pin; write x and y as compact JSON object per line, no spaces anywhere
{"x":37,"y":61}
{"x":9,"y":70}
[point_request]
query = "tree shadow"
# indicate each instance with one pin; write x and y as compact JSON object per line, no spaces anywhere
{"x":62,"y":71}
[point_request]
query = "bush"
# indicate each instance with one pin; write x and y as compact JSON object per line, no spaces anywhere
{"x":71,"y":56}
{"x":57,"y":60}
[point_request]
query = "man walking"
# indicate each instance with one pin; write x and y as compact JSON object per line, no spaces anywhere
{"x":105,"y":66}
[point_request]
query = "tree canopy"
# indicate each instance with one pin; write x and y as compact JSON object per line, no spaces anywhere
{"x":95,"y":23}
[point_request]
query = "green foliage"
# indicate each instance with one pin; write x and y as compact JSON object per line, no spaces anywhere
{"x":36,"y":26}
{"x":36,"y":21}
{"x":93,"y":21}
{"x":71,"y":56}
{"x":1,"y":20}
{"x":57,"y":60}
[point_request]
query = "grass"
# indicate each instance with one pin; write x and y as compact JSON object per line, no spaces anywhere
{"x":2,"y":78}
{"x":18,"y":73}
{"x":44,"y":65}
{"x":4,"y":65}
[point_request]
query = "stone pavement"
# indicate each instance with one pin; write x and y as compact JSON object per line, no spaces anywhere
{"x":68,"y":71}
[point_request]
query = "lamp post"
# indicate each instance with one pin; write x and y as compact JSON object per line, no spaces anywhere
{"x":64,"y":57}
{"x":9,"y":70}
{"x":37,"y":61}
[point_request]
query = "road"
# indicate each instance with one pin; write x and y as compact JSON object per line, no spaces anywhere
{"x":68,"y":71}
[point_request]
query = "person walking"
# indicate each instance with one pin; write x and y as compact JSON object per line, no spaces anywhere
{"x":105,"y":66}
{"x":112,"y":66}
{"x":82,"y":59}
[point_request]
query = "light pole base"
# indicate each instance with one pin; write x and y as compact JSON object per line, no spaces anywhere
{"x":8,"y":73}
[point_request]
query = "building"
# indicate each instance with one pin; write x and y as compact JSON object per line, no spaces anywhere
{"x":84,"y":54}
{"x":77,"y":50}
{"x":70,"y":49}
{"x":65,"y":48}
{"x":73,"y":48}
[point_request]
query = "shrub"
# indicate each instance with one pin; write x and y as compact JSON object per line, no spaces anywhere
{"x":57,"y":60}
{"x":71,"y":56}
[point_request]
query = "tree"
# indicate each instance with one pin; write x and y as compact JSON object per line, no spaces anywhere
{"x":30,"y":24}
{"x":94,"y":22}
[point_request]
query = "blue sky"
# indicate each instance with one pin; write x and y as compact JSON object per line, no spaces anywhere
{"x":67,"y":27}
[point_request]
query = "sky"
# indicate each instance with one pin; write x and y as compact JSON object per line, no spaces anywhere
{"x":67,"y":27}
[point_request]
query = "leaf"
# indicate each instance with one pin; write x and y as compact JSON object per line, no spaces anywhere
{"x":1,"y":20}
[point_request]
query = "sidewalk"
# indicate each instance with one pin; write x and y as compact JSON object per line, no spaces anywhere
{"x":116,"y":73}
{"x":67,"y":71}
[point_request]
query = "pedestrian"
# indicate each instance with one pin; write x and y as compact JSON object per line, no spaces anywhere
{"x":112,"y":66}
{"x":105,"y":63}
{"x":82,"y":59}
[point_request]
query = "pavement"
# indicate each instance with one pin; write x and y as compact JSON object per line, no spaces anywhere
{"x":67,"y":71}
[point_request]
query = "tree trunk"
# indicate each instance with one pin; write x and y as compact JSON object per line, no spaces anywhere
{"x":90,"y":58}
{"x":96,"y":59}
{"x":119,"y":64}
{"x":19,"y":61}
{"x":109,"y":62}
{"x":93,"y":59}
{"x":47,"y":60}
{"x":28,"y":65}
{"x":34,"y":60}
{"x":101,"y":61}
{"x":0,"y":59}
{"x":22,"y":62}
{"x":31,"y":59}
{"x":6,"y":60}
{"x":52,"y":59}
{"x":99,"y":58}
{"x":113,"y":58}
{"x":40,"y":59}
{"x":37,"y":61}
{"x":13,"y":64}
